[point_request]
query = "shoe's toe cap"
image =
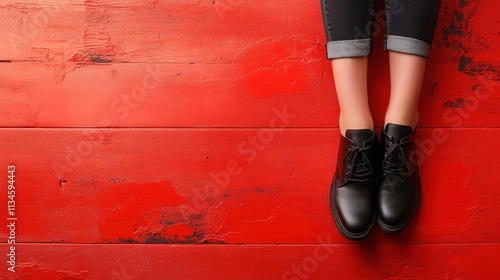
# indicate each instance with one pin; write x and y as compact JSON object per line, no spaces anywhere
{"x":355,"y":207}
{"x":395,"y":201}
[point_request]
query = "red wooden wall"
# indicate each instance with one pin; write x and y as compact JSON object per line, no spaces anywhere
{"x":197,"y":140}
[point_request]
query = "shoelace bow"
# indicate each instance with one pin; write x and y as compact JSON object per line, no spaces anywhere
{"x":359,"y":167}
{"x":395,"y":160}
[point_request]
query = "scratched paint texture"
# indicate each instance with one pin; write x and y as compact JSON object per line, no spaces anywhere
{"x":197,"y":139}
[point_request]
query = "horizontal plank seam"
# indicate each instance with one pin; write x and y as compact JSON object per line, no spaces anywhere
{"x":226,"y":128}
{"x":226,"y":61}
{"x":261,"y":244}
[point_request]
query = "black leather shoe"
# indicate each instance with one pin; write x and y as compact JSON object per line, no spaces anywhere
{"x":352,"y":193}
{"x":399,"y":182}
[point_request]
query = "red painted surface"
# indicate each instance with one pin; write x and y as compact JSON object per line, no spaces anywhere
{"x":81,"y":66}
{"x":173,"y":186}
{"x":138,"y":125}
{"x":291,"y":262}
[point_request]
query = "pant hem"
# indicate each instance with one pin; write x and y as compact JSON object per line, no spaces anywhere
{"x":407,"y":45}
{"x":348,"y":48}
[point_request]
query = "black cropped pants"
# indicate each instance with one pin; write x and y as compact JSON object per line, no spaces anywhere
{"x":349,"y":26}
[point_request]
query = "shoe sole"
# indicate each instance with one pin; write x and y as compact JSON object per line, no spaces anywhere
{"x":396,"y":229}
{"x":338,"y":223}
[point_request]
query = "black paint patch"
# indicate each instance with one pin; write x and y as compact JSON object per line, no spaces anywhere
{"x":464,"y":61}
{"x":155,"y":239}
{"x":260,"y":190}
{"x":116,"y":180}
{"x":216,"y":241}
{"x":460,"y":103}
{"x":459,"y":36}
{"x":169,"y":223}
{"x":459,"y":16}
{"x":99,"y":59}
{"x":432,"y":89}
{"x":127,"y":240}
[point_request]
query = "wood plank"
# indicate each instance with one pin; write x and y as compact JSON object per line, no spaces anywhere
{"x":223,"y":95}
{"x":232,"y":64}
{"x":159,"y":95}
{"x":230,"y":186}
{"x":316,"y":261}
{"x":103,"y":31}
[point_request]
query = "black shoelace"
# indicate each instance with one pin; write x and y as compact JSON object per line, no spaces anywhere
{"x":359,"y":167}
{"x":395,"y":161}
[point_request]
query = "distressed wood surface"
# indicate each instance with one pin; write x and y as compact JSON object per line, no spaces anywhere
{"x":315,"y":261}
{"x":142,"y":64}
{"x":197,"y":140}
{"x":117,"y":31}
{"x":231,"y":186}
{"x":220,"y":95}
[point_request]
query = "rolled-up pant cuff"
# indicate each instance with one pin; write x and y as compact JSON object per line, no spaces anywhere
{"x":407,"y":45}
{"x":348,"y":48}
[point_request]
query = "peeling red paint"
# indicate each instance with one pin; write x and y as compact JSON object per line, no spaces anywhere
{"x":118,"y":113}
{"x":97,"y":43}
{"x":180,"y":230}
{"x":274,"y":72}
{"x":150,"y":193}
{"x":129,"y":207}
{"x":242,"y":69}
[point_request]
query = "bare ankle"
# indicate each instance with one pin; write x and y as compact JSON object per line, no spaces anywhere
{"x":402,"y":119}
{"x":355,"y":122}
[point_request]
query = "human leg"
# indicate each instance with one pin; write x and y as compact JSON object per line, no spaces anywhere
{"x":348,"y":26}
{"x":349,"y":30}
{"x":407,"y":74}
{"x":410,"y":32}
